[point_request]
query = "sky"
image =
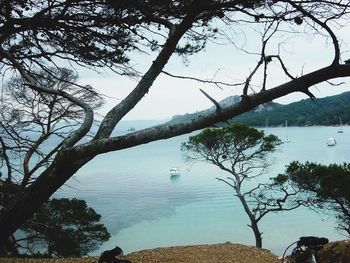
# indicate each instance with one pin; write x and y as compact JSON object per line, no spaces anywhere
{"x":169,"y":96}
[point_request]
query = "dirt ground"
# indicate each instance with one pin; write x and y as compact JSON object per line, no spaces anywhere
{"x":218,"y":253}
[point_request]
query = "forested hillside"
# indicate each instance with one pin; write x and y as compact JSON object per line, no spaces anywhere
{"x":322,"y":111}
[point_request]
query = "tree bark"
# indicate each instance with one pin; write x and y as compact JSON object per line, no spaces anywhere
{"x":257,"y":233}
{"x":253,"y":222}
{"x":301,"y":84}
{"x":31,"y":198}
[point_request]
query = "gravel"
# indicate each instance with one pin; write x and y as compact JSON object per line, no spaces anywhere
{"x":218,"y":253}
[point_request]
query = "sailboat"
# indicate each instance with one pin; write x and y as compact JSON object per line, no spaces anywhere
{"x":340,"y":130}
{"x":286,"y":126}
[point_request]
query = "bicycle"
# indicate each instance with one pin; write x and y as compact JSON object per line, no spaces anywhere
{"x":306,"y":250}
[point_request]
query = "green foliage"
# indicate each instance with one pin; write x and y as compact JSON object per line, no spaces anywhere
{"x":65,"y":228}
{"x":332,"y":181}
{"x":230,"y":141}
{"x":327,"y":185}
{"x":279,"y":180}
{"x":323,"y":111}
{"x":96,"y":33}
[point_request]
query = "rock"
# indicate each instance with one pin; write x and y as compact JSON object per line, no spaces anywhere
{"x":335,"y":252}
{"x":223,"y":253}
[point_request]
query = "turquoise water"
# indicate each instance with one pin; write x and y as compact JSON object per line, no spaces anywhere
{"x":143,"y":207}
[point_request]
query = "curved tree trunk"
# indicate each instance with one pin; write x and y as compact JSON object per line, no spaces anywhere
{"x":257,"y":233}
{"x":24,"y":205}
{"x":253,"y":222}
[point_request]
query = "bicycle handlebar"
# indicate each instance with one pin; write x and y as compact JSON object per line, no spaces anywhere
{"x":311,"y":241}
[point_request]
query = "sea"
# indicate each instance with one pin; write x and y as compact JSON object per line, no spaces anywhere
{"x":144,"y":207}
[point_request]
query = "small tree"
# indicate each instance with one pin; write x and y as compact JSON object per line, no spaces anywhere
{"x":63,"y":228}
{"x":241,"y":151}
{"x":326,"y":187}
{"x":30,"y":123}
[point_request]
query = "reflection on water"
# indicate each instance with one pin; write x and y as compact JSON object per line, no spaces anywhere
{"x":144,"y":207}
{"x":175,"y":178}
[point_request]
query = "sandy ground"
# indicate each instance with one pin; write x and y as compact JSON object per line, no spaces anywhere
{"x":218,"y":253}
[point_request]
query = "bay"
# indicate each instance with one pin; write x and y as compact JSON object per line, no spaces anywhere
{"x":143,"y":207}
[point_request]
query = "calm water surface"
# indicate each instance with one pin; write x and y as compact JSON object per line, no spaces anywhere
{"x":143,"y":207}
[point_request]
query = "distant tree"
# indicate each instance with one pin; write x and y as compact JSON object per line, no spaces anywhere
{"x":33,"y":126}
{"x":60,"y":228}
{"x":30,"y":119}
{"x":241,"y":151}
{"x":39,"y":35}
{"x":327,"y":188}
{"x":323,"y":111}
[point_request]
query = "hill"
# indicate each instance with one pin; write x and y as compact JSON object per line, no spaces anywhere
{"x":323,"y":111}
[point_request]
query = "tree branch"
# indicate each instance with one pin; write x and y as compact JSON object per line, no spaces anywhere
{"x":167,"y":131}
{"x":119,"y":111}
{"x":89,"y":114}
{"x":217,"y":105}
{"x":216,"y":83}
{"x":7,"y":160}
{"x":323,"y":25}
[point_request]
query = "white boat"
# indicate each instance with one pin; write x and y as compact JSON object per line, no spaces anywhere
{"x":340,"y":130}
{"x":174,"y":171}
{"x":331,"y":141}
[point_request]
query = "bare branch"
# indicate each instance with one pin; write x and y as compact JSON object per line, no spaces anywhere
{"x":216,"y":83}
{"x":217,"y":105}
{"x":324,"y":25}
{"x":283,"y":66}
{"x":307,"y":92}
{"x":89,"y":114}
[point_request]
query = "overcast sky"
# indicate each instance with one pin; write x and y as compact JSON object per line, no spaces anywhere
{"x":169,"y":96}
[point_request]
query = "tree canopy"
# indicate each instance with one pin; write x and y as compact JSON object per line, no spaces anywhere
{"x":38,"y":38}
{"x":327,"y":188}
{"x":63,"y":228}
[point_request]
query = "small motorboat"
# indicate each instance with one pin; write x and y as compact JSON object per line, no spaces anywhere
{"x":331,"y":142}
{"x":174,"y":171}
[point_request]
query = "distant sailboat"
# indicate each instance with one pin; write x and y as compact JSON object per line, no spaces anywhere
{"x":286,"y":126}
{"x":340,"y":130}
